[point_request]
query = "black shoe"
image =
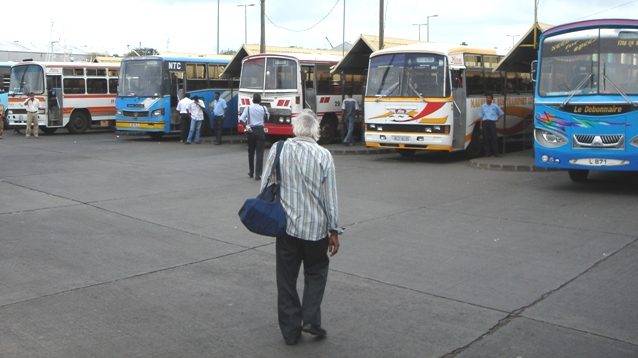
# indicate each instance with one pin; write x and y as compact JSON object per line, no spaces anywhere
{"x":250,"y":175}
{"x":292,"y":341}
{"x":314,"y":330}
{"x":257,"y":178}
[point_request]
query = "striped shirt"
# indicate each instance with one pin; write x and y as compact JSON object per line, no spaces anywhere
{"x":308,"y":188}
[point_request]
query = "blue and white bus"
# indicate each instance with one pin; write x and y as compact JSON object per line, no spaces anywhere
{"x":5,"y":75}
{"x":149,"y":90}
{"x":586,"y":97}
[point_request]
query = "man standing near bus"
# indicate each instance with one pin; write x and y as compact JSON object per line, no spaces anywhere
{"x":350,"y":106}
{"x":1,"y":121}
{"x":490,"y":113}
{"x":196,"y":109}
{"x":33,"y":106}
{"x":219,"y":112}
{"x":185,"y":117}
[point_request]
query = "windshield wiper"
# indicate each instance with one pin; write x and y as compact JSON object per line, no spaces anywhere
{"x":573,"y":92}
{"x":620,"y":92}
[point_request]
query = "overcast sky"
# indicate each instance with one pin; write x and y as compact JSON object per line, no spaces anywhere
{"x":191,"y":25}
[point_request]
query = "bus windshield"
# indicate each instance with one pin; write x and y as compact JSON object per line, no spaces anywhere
{"x":407,"y":75}
{"x":269,"y":74}
{"x":594,"y":61}
{"x":142,"y":78}
{"x":26,"y":78}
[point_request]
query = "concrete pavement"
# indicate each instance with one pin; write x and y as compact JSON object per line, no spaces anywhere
{"x":131,"y":247}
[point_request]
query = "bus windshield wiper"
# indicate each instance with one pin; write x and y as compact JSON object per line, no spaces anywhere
{"x":620,"y":92}
{"x":573,"y":92}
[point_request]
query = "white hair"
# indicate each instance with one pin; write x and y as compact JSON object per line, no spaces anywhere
{"x":306,"y":124}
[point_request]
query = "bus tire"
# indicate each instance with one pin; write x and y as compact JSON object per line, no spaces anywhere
{"x":475,"y":147}
{"x":406,"y":153}
{"x":79,"y":122}
{"x":578,"y":175}
{"x":205,"y":129}
{"x":327,"y":130}
{"x":48,"y":130}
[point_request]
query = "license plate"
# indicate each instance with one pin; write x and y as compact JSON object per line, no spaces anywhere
{"x":401,"y":138}
{"x":599,"y":162}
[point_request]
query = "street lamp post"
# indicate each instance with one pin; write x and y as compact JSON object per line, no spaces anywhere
{"x":419,"y":25}
{"x":427,"y":26}
{"x":246,"y":21}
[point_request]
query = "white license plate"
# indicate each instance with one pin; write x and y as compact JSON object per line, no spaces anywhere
{"x":401,"y":138}
{"x":599,"y":162}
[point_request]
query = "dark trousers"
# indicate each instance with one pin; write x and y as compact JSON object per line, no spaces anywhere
{"x":184,"y":125}
{"x":256,"y":141}
{"x":291,"y":252}
{"x":489,"y":138}
{"x":219,"y":127}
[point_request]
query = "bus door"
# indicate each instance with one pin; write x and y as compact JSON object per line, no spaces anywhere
{"x":309,"y":87}
{"x":459,"y":107}
{"x":54,"y":101}
{"x":177,"y":88}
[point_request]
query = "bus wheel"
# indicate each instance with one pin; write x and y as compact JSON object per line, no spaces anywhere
{"x":406,"y":153}
{"x":327,"y":130}
{"x":79,"y":123}
{"x":48,"y":130}
{"x":156,"y":135}
{"x":578,"y":176}
{"x":473,"y":149}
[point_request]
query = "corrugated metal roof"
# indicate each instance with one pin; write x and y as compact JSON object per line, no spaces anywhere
{"x":356,"y":60}
{"x":521,"y":56}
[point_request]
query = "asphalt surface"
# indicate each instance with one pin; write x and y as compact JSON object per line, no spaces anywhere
{"x":131,"y":247}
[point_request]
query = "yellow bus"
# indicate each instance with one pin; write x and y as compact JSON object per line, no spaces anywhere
{"x":427,"y":97}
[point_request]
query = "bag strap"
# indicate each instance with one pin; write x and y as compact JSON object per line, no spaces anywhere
{"x":280,"y":146}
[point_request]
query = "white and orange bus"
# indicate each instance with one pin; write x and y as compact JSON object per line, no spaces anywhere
{"x":291,"y":82}
{"x":428,"y":96}
{"x":75,"y":95}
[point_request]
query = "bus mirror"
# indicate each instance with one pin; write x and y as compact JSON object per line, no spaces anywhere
{"x":533,"y":70}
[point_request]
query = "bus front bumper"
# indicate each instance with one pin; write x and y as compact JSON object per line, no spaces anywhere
{"x":139,"y":126}
{"x":408,"y":141}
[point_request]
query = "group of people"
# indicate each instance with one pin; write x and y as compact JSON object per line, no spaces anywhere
{"x":191,"y":112}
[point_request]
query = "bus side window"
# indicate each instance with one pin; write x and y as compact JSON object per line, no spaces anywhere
{"x":457,"y":79}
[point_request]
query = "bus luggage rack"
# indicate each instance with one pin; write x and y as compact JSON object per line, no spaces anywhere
{"x":609,"y":141}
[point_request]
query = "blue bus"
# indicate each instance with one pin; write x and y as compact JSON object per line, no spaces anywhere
{"x":5,"y":75}
{"x":586,"y":97}
{"x":150,"y":86}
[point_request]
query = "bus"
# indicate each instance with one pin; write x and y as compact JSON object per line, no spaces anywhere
{"x":291,"y":82}
{"x":586,"y":98}
{"x":427,"y":97}
{"x":150,"y":87}
{"x":75,"y":95}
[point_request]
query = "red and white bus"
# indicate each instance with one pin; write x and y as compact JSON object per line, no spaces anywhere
{"x":75,"y":95}
{"x":291,"y":82}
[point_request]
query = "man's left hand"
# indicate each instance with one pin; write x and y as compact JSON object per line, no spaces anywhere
{"x":333,"y":243}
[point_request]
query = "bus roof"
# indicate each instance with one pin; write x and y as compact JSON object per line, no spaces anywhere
{"x":436,"y":48}
{"x":69,"y":64}
{"x":590,"y":24}
{"x":301,"y":57}
{"x":221,"y":60}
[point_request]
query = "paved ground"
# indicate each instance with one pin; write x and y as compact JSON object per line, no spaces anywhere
{"x":130,"y":247}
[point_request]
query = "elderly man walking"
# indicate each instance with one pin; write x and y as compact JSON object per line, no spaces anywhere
{"x":309,"y":198}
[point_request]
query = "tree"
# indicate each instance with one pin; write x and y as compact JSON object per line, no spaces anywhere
{"x":142,"y":51}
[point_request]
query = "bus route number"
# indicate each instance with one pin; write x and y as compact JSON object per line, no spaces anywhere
{"x":175,"y":66}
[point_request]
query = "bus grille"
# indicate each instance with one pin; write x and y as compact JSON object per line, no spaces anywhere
{"x":606,"y":141}
{"x":408,"y":128}
{"x":135,"y":114}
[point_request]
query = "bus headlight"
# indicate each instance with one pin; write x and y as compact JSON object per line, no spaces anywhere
{"x":118,"y":112}
{"x":634,"y":141}
{"x":549,"y":139}
{"x":158,"y":112}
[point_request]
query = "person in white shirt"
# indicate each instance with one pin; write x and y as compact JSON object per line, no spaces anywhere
{"x":196,"y":109}
{"x":33,"y":106}
{"x":219,"y":113}
{"x":185,"y":117}
{"x":253,"y":117}
{"x":350,"y":106}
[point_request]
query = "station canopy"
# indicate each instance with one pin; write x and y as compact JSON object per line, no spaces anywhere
{"x":356,"y":60}
{"x":233,"y":69}
{"x":520,"y":57}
